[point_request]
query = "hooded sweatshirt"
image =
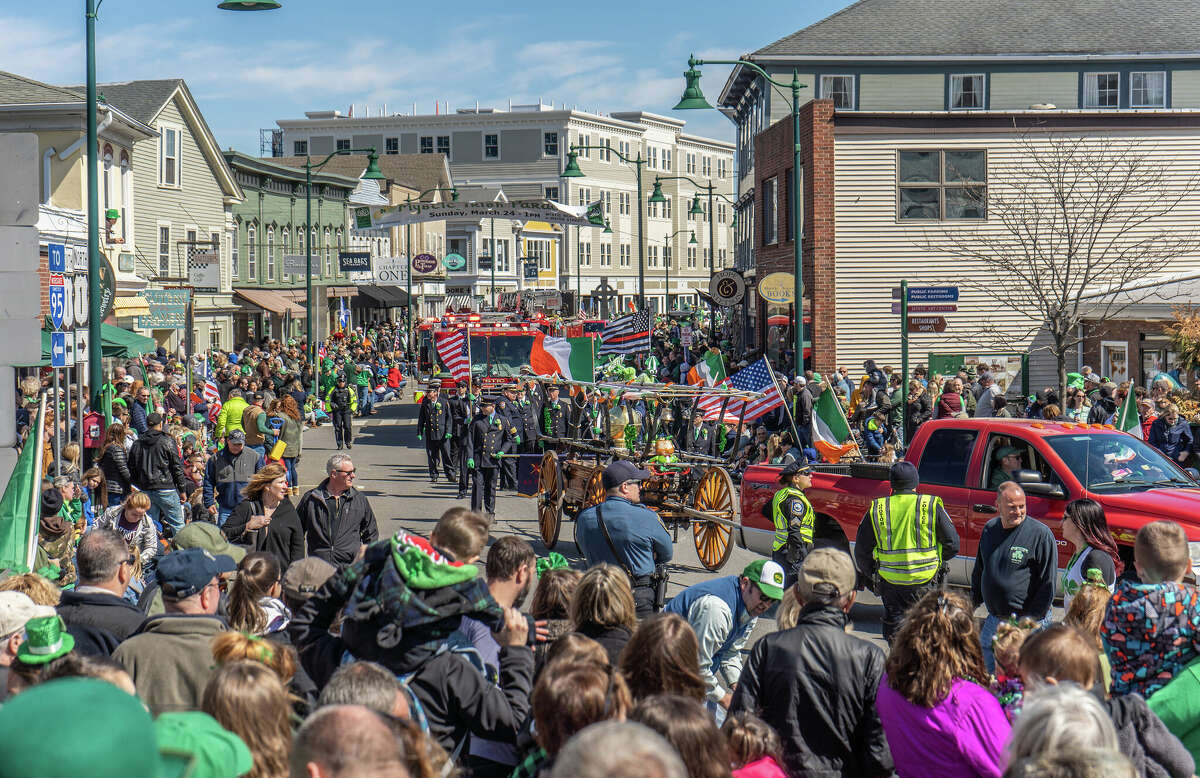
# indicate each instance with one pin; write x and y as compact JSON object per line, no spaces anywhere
{"x":1151,"y":632}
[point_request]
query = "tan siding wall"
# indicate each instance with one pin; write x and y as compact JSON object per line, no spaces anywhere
{"x":875,"y":251}
{"x":918,"y":92}
{"x":1185,"y":89}
{"x":1018,"y":91}
{"x":780,"y":105}
{"x":197,"y":202}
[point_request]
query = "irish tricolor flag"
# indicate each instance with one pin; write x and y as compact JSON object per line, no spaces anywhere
{"x":569,"y":358}
{"x":710,"y":371}
{"x":830,"y":431}
{"x":1127,"y":419}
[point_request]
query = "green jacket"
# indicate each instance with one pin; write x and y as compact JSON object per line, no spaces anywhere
{"x":1178,"y":705}
{"x":230,"y":417}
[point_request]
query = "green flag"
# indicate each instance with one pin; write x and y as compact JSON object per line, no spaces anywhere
{"x":1127,"y":416}
{"x":21,"y":503}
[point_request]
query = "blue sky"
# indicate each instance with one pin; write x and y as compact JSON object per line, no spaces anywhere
{"x":249,"y":69}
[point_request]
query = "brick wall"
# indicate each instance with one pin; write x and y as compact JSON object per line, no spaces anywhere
{"x":1135,"y":334}
{"x":773,"y":158}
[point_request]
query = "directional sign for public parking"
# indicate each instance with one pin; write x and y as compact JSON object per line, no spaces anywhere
{"x":58,"y":349}
{"x":58,"y":300}
{"x":928,"y":294}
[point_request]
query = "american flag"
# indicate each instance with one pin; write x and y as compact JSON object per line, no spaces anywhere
{"x":454,"y":348}
{"x":626,"y":335}
{"x":755,"y":378}
{"x":210,"y":393}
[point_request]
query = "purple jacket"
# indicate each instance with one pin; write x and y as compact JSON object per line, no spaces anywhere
{"x":964,"y":734}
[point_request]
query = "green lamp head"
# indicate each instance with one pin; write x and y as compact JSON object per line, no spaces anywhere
{"x":692,"y":241}
{"x":657,"y":196}
{"x":372,"y":172}
{"x":696,"y":209}
{"x":692,"y":96}
{"x":248,"y":5}
{"x":733,"y":221}
{"x":454,"y":194}
{"x":572,"y":169}
{"x":607,"y":228}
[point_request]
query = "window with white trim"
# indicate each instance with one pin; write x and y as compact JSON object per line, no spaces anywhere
{"x":606,"y":152}
{"x":300,"y":148}
{"x":550,"y":193}
{"x":839,"y":89}
{"x":251,"y":253}
{"x":721,"y":258}
{"x":651,"y":157}
{"x":667,"y":256}
{"x":443,"y":145}
{"x":624,"y":203}
{"x":539,"y":249}
{"x":706,"y":167}
{"x":391,"y":145}
{"x":343,"y":144}
{"x":270,"y":257}
{"x":708,"y":258}
{"x":652,"y":209}
{"x":605,"y":255}
{"x":550,"y":144}
{"x":624,"y":255}
{"x":169,"y":140}
{"x":285,"y":237}
{"x":585,"y":255}
{"x":966,"y":91}
{"x":164,"y":249}
{"x":607,"y":197}
{"x":691,"y":257}
{"x":770,"y":211}
{"x":949,"y":184}
{"x":722,"y":170}
{"x":584,"y":142}
{"x":585,"y":196}
{"x":667,"y":208}
{"x":1148,"y":89}
{"x":426,"y":144}
{"x":491,"y":146}
{"x":666,"y":156}
{"x":1101,"y":90}
{"x":652,"y":256}
{"x":328,"y":255}
{"x":689,"y":163}
{"x":235,"y":253}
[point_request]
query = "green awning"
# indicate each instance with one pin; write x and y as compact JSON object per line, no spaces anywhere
{"x":116,"y":343}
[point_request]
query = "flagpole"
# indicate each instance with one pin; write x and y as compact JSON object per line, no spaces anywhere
{"x":35,"y":500}
{"x":783,"y":398}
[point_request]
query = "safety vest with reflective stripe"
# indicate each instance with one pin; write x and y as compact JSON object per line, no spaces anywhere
{"x":783,"y":508}
{"x":906,"y":546}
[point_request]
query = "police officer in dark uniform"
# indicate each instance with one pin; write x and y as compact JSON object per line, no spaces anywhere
{"x":698,"y":437}
{"x":530,"y":404}
{"x":341,"y":403}
{"x":462,"y":410}
{"x":434,"y":426}
{"x":508,"y":409}
{"x":621,"y":532}
{"x":552,"y":421}
{"x":488,"y":444}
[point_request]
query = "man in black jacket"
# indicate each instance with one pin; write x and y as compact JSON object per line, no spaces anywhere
{"x":158,"y":471}
{"x":96,"y":607}
{"x":815,"y":684}
{"x":337,"y":518}
{"x":462,"y":410}
{"x":434,"y":426}
{"x":341,"y":404}
{"x":489,"y":441}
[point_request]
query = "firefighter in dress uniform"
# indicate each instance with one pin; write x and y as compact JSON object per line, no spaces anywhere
{"x":434,"y":427}
{"x":529,"y":402}
{"x":553,"y":419}
{"x":794,"y":520}
{"x":699,"y":437}
{"x":488,"y":444}
{"x":509,"y":409}
{"x":462,"y":410}
{"x":903,"y":545}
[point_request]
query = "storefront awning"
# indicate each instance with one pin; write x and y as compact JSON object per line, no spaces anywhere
{"x":116,"y":343}
{"x":382,"y":296}
{"x":134,"y":305}
{"x":460,"y":302}
{"x":269,"y":300}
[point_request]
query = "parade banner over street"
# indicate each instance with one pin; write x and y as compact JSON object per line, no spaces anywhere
{"x":520,"y":210}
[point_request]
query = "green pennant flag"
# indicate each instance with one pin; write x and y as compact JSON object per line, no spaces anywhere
{"x":20,"y":505}
{"x":1127,"y":419}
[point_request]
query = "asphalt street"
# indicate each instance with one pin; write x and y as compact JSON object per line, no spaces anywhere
{"x":392,"y":472}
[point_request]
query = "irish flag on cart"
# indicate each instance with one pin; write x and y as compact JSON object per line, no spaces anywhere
{"x":569,"y":358}
{"x":709,"y":371}
{"x":830,"y":431}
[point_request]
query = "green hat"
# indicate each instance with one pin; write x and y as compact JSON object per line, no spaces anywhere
{"x":122,"y":748}
{"x":1005,"y":451}
{"x":216,"y":752}
{"x":767,"y":575}
{"x":206,"y":535}
{"x":46,"y":639}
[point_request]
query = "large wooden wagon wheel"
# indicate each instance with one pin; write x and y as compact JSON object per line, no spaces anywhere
{"x":714,"y":540}
{"x":550,"y":494}
{"x":593,"y":490}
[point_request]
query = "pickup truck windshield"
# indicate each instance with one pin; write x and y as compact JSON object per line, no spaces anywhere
{"x":1116,"y":463}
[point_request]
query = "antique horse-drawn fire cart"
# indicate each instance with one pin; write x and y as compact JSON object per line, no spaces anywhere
{"x":687,"y":490}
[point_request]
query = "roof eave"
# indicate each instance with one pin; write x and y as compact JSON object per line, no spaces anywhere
{"x":994,"y":57}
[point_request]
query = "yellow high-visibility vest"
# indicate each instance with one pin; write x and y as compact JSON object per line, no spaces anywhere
{"x":906,"y":546}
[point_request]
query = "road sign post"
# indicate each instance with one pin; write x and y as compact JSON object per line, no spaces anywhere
{"x":901,"y":433}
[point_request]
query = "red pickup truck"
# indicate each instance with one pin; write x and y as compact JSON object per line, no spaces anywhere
{"x":1061,"y":461}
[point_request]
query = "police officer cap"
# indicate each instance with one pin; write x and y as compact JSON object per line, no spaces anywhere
{"x":511,"y":388}
{"x":487,"y":401}
{"x":794,"y":468}
{"x":621,"y":471}
{"x":553,"y":387}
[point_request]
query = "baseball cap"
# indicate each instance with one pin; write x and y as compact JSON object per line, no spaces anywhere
{"x":206,"y":535}
{"x":71,"y":705}
{"x":305,"y":576}
{"x":215,"y":751}
{"x":828,"y":572}
{"x":236,"y":436}
{"x":16,"y":609}
{"x":621,"y":471}
{"x":183,"y":574}
{"x":768,"y":576}
{"x":1006,"y":451}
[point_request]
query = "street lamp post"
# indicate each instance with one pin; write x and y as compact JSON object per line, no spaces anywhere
{"x":694,"y":98}
{"x":572,"y":171}
{"x":95,"y":368}
{"x":409,"y":200}
{"x":371,"y":174}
